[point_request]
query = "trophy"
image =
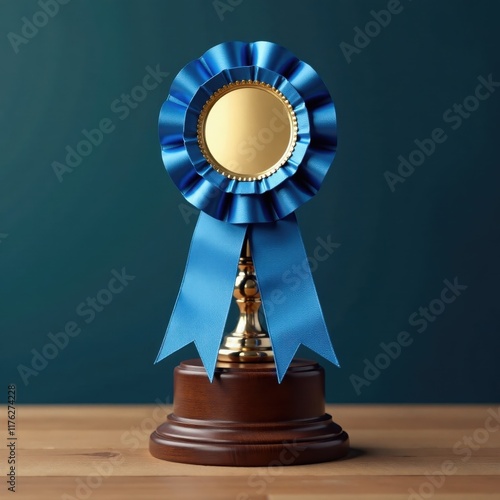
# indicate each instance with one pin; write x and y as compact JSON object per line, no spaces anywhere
{"x":248,"y":133}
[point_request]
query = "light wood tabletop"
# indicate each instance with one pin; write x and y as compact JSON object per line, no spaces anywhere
{"x":410,"y":452}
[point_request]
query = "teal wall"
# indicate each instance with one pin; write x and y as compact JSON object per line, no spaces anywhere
{"x":61,"y":241}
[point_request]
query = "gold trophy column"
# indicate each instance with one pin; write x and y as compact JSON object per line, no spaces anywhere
{"x":248,"y":342}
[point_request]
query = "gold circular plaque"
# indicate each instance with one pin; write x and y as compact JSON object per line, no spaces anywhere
{"x":247,"y":130}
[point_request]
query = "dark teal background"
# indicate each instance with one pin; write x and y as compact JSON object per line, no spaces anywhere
{"x":59,"y":241}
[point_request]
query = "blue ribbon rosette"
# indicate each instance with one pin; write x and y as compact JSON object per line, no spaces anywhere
{"x":260,"y":207}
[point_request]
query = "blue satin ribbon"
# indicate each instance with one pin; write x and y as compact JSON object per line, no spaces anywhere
{"x":291,"y":307}
{"x":202,"y":306}
{"x":263,"y":207}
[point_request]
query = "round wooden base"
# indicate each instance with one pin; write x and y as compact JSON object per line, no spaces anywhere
{"x":245,"y":418}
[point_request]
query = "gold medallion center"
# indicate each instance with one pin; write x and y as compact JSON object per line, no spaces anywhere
{"x":247,"y":130}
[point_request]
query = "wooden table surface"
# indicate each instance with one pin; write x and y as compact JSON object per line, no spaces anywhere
{"x":410,"y":452}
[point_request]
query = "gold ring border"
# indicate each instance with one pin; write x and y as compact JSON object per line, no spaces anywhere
{"x":225,"y":89}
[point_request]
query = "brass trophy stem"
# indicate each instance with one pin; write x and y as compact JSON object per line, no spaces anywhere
{"x":248,"y":342}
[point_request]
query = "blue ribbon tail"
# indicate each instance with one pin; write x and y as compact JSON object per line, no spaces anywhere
{"x":205,"y":295}
{"x":290,"y":301}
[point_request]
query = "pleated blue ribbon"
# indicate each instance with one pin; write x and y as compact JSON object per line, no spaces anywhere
{"x":263,"y":208}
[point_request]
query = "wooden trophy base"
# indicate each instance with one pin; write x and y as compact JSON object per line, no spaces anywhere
{"x":245,"y":418}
